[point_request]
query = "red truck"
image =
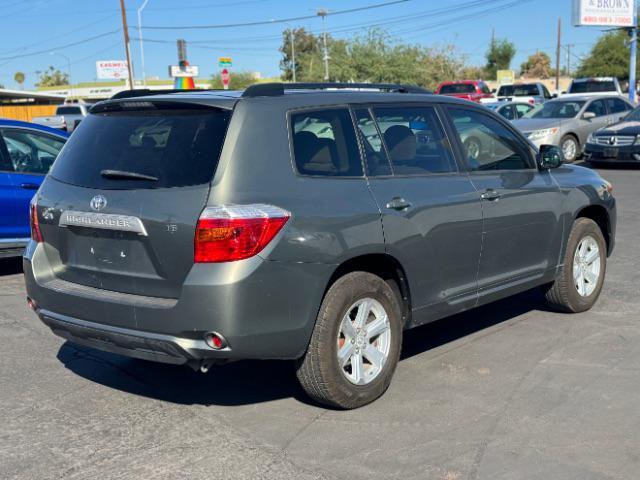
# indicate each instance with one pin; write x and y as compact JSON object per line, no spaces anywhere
{"x":472,"y":90}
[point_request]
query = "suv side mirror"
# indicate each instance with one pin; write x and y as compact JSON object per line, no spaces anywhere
{"x":588,"y":115}
{"x":549,"y":156}
{"x":494,"y":90}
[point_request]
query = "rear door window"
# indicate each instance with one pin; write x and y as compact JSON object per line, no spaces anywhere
{"x":30,"y":152}
{"x":414,"y":140}
{"x":178,"y":145}
{"x":324,"y":143}
{"x":617,"y":106}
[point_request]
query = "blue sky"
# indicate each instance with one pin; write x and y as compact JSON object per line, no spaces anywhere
{"x":32,"y":29}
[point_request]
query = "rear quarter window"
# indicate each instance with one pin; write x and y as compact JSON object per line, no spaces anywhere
{"x":324,"y":143}
{"x":178,"y":146}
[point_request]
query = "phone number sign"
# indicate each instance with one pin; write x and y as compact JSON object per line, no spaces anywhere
{"x":608,"y":13}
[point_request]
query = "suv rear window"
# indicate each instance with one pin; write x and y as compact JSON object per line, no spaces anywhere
{"x":179,"y":146}
{"x":457,"y":88}
{"x":592,"y":86}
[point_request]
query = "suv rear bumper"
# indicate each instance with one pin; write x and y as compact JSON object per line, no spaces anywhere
{"x":123,"y":341}
{"x":264,"y":310}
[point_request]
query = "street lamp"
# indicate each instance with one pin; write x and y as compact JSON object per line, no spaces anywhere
{"x":323,"y":13}
{"x":144,"y":75}
{"x":68,"y":68}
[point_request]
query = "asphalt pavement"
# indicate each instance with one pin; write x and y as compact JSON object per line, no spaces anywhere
{"x":507,"y":391}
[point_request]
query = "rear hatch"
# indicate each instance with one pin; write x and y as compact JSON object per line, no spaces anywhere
{"x":120,"y":207}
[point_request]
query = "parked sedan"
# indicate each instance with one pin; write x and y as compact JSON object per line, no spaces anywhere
{"x":567,"y":122}
{"x":27,"y":151}
{"x":510,"y":110}
{"x":616,"y":143}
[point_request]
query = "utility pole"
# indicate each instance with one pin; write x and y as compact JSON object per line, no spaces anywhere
{"x":144,"y":74}
{"x":323,"y":13}
{"x":558,"y":55}
{"x":633,"y":33}
{"x":293,"y":54}
{"x":568,"y":47}
{"x":125,"y":30}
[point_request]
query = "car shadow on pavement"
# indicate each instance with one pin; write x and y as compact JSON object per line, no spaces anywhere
{"x":10,"y":266}
{"x":251,"y":382}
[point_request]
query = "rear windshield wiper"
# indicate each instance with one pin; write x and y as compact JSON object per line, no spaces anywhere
{"x":123,"y":175}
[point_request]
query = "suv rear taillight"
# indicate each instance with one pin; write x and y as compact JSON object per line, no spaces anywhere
{"x":36,"y":234}
{"x":227,"y":233}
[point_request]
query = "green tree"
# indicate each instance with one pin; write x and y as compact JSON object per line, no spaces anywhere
{"x":537,"y":65}
{"x":19,"y":79}
{"x":237,"y":80}
{"x":52,"y":77}
{"x":499,"y":57}
{"x":370,"y":57}
{"x":608,"y":57}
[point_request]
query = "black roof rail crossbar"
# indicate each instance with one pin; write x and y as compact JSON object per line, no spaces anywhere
{"x":144,"y":92}
{"x":276,"y":89}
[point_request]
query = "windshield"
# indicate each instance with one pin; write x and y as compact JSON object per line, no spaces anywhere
{"x":566,"y":109}
{"x":179,"y":147}
{"x":593,"y":86}
{"x":457,"y":88}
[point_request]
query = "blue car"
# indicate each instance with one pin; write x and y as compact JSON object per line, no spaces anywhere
{"x":27,"y":151}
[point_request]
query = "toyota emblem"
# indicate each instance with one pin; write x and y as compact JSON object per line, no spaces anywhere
{"x":98,"y":203}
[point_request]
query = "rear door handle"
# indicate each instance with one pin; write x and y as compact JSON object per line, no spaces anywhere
{"x":29,"y":186}
{"x":490,"y":195}
{"x":398,"y":203}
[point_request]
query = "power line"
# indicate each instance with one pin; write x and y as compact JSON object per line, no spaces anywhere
{"x":274,"y":21}
{"x":61,"y":47}
{"x":65,"y":34}
{"x":401,"y":19}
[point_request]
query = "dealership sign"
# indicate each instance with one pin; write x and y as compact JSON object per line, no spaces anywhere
{"x":607,"y":13}
{"x":179,"y":71}
{"x":112,"y":69}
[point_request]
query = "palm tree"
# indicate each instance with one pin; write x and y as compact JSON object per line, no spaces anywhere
{"x":19,"y":78}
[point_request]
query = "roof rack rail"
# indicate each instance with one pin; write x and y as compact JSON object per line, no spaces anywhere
{"x":277,"y":89}
{"x":144,"y":92}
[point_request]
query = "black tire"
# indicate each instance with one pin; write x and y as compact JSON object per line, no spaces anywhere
{"x":562,"y":294}
{"x":319,"y":371}
{"x":570,"y":138}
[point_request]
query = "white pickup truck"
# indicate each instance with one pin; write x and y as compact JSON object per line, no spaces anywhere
{"x":67,"y":117}
{"x":594,"y":86}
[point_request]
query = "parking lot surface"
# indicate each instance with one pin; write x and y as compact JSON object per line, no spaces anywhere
{"x":507,"y":391}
